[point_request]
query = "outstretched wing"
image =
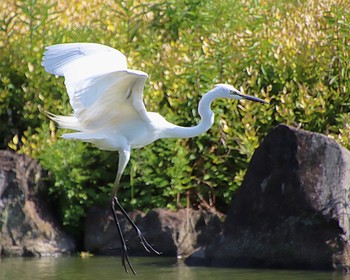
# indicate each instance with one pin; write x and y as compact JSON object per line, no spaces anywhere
{"x":102,"y":91}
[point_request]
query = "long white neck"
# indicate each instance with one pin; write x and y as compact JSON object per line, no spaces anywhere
{"x":207,"y":120}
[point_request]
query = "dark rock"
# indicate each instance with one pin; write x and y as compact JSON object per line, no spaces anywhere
{"x":27,"y":227}
{"x":292,"y":210}
{"x":173,"y":233}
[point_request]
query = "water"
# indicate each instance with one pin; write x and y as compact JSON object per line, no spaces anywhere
{"x":104,"y":268}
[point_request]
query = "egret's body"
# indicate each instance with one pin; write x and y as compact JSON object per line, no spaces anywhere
{"x":108,"y":110}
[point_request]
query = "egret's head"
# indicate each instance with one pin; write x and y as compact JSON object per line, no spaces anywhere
{"x":228,"y":91}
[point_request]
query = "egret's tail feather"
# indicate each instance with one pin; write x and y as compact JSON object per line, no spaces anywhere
{"x":94,"y":138}
{"x":83,"y":136}
{"x":68,"y":122}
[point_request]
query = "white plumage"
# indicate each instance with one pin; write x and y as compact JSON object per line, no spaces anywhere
{"x":106,"y":97}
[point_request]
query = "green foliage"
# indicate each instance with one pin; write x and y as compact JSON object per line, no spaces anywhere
{"x":294,"y":54}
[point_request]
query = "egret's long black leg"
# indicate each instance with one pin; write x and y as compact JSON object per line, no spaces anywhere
{"x":125,"y":256}
{"x":143,"y":240}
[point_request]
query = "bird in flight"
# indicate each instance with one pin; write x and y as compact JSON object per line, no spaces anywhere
{"x":108,"y":110}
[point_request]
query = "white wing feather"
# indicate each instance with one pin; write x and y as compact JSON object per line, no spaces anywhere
{"x":102,"y":91}
{"x":82,"y":59}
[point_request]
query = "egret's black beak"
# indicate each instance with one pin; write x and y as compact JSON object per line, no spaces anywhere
{"x":251,"y":98}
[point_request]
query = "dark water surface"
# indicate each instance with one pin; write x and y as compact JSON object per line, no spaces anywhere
{"x":100,"y":268}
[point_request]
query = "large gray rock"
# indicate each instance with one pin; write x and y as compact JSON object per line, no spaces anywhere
{"x":292,"y":210}
{"x":27,"y":227}
{"x":177,"y":233}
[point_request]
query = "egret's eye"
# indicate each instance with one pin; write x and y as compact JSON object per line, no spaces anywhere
{"x":233,"y":92}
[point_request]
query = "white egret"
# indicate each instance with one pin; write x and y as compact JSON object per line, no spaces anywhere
{"x":108,"y":110}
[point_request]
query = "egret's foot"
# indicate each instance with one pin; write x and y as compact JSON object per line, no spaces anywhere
{"x":125,"y":257}
{"x":143,"y":241}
